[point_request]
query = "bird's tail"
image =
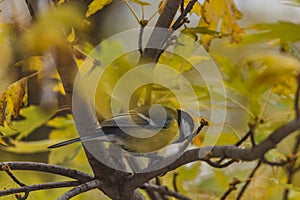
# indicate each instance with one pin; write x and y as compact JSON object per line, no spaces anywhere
{"x":65,"y":143}
{"x":97,"y":136}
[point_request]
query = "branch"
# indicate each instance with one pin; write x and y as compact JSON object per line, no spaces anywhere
{"x":232,"y":187}
{"x":249,"y":180}
{"x":230,"y":151}
{"x":158,"y":36}
{"x":54,"y":169}
{"x":43,"y":186}
{"x":16,"y":180}
{"x":80,"y":189}
{"x":30,"y":9}
{"x":164,"y":190}
{"x":291,"y":167}
{"x":181,"y":18}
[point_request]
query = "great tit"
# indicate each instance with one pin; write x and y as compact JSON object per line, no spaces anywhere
{"x":144,"y":129}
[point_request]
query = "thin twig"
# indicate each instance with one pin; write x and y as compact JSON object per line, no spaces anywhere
{"x":226,"y":151}
{"x":132,"y":11}
{"x":297,"y":109}
{"x":243,"y":139}
{"x":159,"y":34}
{"x":181,"y":18}
{"x":80,"y":189}
{"x":140,"y":44}
{"x":43,"y":186}
{"x":30,"y":9}
{"x":271,"y":163}
{"x":54,"y":169}
{"x":175,"y":182}
{"x":219,"y":165}
{"x":16,"y":180}
{"x":290,"y":167}
{"x":232,"y":187}
{"x":165,"y":191}
{"x":248,"y":180}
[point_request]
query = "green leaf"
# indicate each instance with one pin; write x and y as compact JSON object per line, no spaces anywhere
{"x":35,"y":116}
{"x":185,"y":44}
{"x":285,"y":31}
{"x":202,"y":30}
{"x":96,"y":5}
{"x":27,"y":147}
{"x":64,"y":129}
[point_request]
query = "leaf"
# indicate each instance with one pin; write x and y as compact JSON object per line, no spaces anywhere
{"x":12,"y":100}
{"x":197,"y":8}
{"x":96,"y":5}
{"x":202,"y":30}
{"x":285,"y":31}
{"x":49,"y":30}
{"x":161,"y":6}
{"x":64,"y":129}
{"x":222,"y":16}
{"x":2,"y":142}
{"x":259,"y":72}
{"x":185,"y":44}
{"x":27,"y":147}
{"x":141,"y":3}
{"x":35,"y":116}
{"x":71,"y":37}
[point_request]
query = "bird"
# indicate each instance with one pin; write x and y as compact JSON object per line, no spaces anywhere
{"x":144,"y":129}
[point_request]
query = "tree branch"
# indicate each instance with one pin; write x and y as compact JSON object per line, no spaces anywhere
{"x":180,"y":19}
{"x":54,"y":169}
{"x":159,"y":34}
{"x":80,"y":189}
{"x":43,"y":186}
{"x":164,"y":190}
{"x":230,"y":151}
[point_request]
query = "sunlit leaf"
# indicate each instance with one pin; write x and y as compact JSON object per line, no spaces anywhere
{"x":285,"y":31}
{"x":185,"y":44}
{"x":285,"y":185}
{"x":12,"y":100}
{"x":222,"y":16}
{"x":27,"y":147}
{"x":141,"y":3}
{"x":71,"y":37}
{"x":161,"y":6}
{"x":34,"y":116}
{"x":96,"y":5}
{"x":2,"y":142}
{"x":196,"y":8}
{"x":49,"y":30}
{"x":259,"y":72}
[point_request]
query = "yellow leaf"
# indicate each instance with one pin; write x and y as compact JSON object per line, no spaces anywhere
{"x":198,"y":140}
{"x":96,"y":5}
{"x":196,"y":8}
{"x":49,"y":30}
{"x":220,"y":15}
{"x":12,"y":100}
{"x":141,"y":3}
{"x":60,"y":2}
{"x":71,"y":37}
{"x":271,"y":70}
{"x":161,"y":6}
{"x":2,"y":142}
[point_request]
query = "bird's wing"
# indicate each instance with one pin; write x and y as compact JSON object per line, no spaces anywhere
{"x":130,"y":120}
